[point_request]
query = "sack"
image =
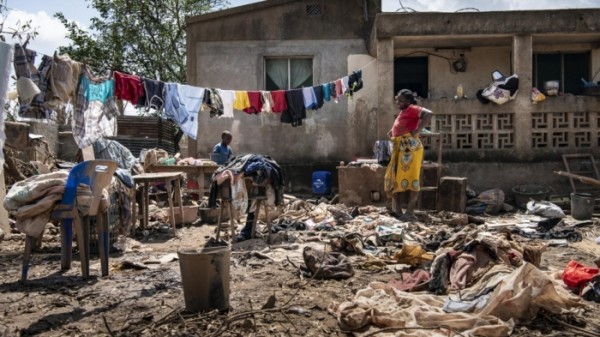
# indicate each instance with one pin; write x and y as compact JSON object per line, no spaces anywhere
{"x":536,"y":95}
{"x":544,"y":208}
{"x":490,"y":201}
{"x":577,"y":275}
{"x":502,"y":89}
{"x":239,"y":196}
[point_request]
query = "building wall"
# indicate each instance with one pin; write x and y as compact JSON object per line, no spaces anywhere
{"x":325,"y":133}
{"x":226,"y":50}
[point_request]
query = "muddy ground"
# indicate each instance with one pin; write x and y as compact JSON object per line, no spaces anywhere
{"x":150,"y":301}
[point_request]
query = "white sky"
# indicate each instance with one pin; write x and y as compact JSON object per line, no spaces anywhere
{"x":52,"y":33}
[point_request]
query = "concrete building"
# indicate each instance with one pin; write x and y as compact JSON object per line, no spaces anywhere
{"x":431,"y":53}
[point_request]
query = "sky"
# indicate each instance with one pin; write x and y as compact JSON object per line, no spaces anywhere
{"x":52,"y":32}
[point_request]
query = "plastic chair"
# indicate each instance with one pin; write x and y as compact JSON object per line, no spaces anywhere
{"x":96,"y":174}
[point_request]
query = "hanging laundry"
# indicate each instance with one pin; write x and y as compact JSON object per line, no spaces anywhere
{"x":310,"y":99}
{"x":241,"y":100}
{"x":62,"y":80}
{"x":339,"y":91}
{"x":213,"y":102}
{"x":37,"y":105}
{"x":326,"y":91}
{"x":318,"y":89}
{"x":255,"y":99}
{"x":267,"y":101}
{"x":31,"y":83}
{"x":227,"y":98}
{"x":95,"y":111}
{"x":279,"y":101}
{"x":154,"y":94}
{"x":296,"y":111}
{"x":345,"y":80}
{"x":129,"y":88}
{"x":355,"y":82}
{"x":332,"y":90}
{"x":6,"y":58}
{"x":182,"y":104}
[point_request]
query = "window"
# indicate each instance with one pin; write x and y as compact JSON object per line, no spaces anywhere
{"x":567,"y":68}
{"x":288,"y":73}
{"x":411,"y":73}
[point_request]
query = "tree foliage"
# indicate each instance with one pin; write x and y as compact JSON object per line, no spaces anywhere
{"x":145,"y":37}
{"x":23,"y":32}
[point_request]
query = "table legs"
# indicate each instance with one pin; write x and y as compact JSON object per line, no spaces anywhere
{"x":172,"y":211}
{"x":146,"y":203}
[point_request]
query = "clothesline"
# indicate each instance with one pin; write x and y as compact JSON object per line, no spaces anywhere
{"x":59,"y":80}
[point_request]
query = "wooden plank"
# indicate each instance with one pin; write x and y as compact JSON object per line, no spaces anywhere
{"x":583,"y":179}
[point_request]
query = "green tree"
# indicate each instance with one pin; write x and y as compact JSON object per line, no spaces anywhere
{"x":22,"y":32}
{"x":145,"y":37}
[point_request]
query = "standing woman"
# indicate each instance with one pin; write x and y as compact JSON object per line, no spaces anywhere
{"x":404,"y":170}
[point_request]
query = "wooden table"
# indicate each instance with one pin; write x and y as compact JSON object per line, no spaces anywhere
{"x":162,"y":177}
{"x":199,"y":171}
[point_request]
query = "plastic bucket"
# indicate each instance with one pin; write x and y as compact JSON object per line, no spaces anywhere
{"x":582,"y":206}
{"x":205,"y":278}
{"x":524,"y":193}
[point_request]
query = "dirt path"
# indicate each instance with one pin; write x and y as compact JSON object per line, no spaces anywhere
{"x":149,"y":302}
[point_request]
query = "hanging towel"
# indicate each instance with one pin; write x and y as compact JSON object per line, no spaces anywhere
{"x":241,"y":101}
{"x":279,"y":101}
{"x":227,"y":97}
{"x":267,"y":101}
{"x":255,"y":99}
{"x":310,"y":99}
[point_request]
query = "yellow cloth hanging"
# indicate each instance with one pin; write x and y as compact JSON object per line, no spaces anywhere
{"x":404,"y":170}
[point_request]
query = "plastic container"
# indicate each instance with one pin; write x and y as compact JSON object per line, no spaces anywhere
{"x":582,"y":206}
{"x":551,"y":87}
{"x":190,"y":214}
{"x":524,"y":193}
{"x":321,"y":182}
{"x":205,"y":278}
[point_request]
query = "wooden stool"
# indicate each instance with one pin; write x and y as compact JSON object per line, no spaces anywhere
{"x":261,"y":200}
{"x":226,"y":203}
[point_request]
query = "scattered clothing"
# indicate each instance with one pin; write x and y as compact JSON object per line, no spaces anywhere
{"x":324,"y":265}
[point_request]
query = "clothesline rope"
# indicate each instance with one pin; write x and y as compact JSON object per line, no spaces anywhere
{"x":112,"y":71}
{"x":73,"y":80}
